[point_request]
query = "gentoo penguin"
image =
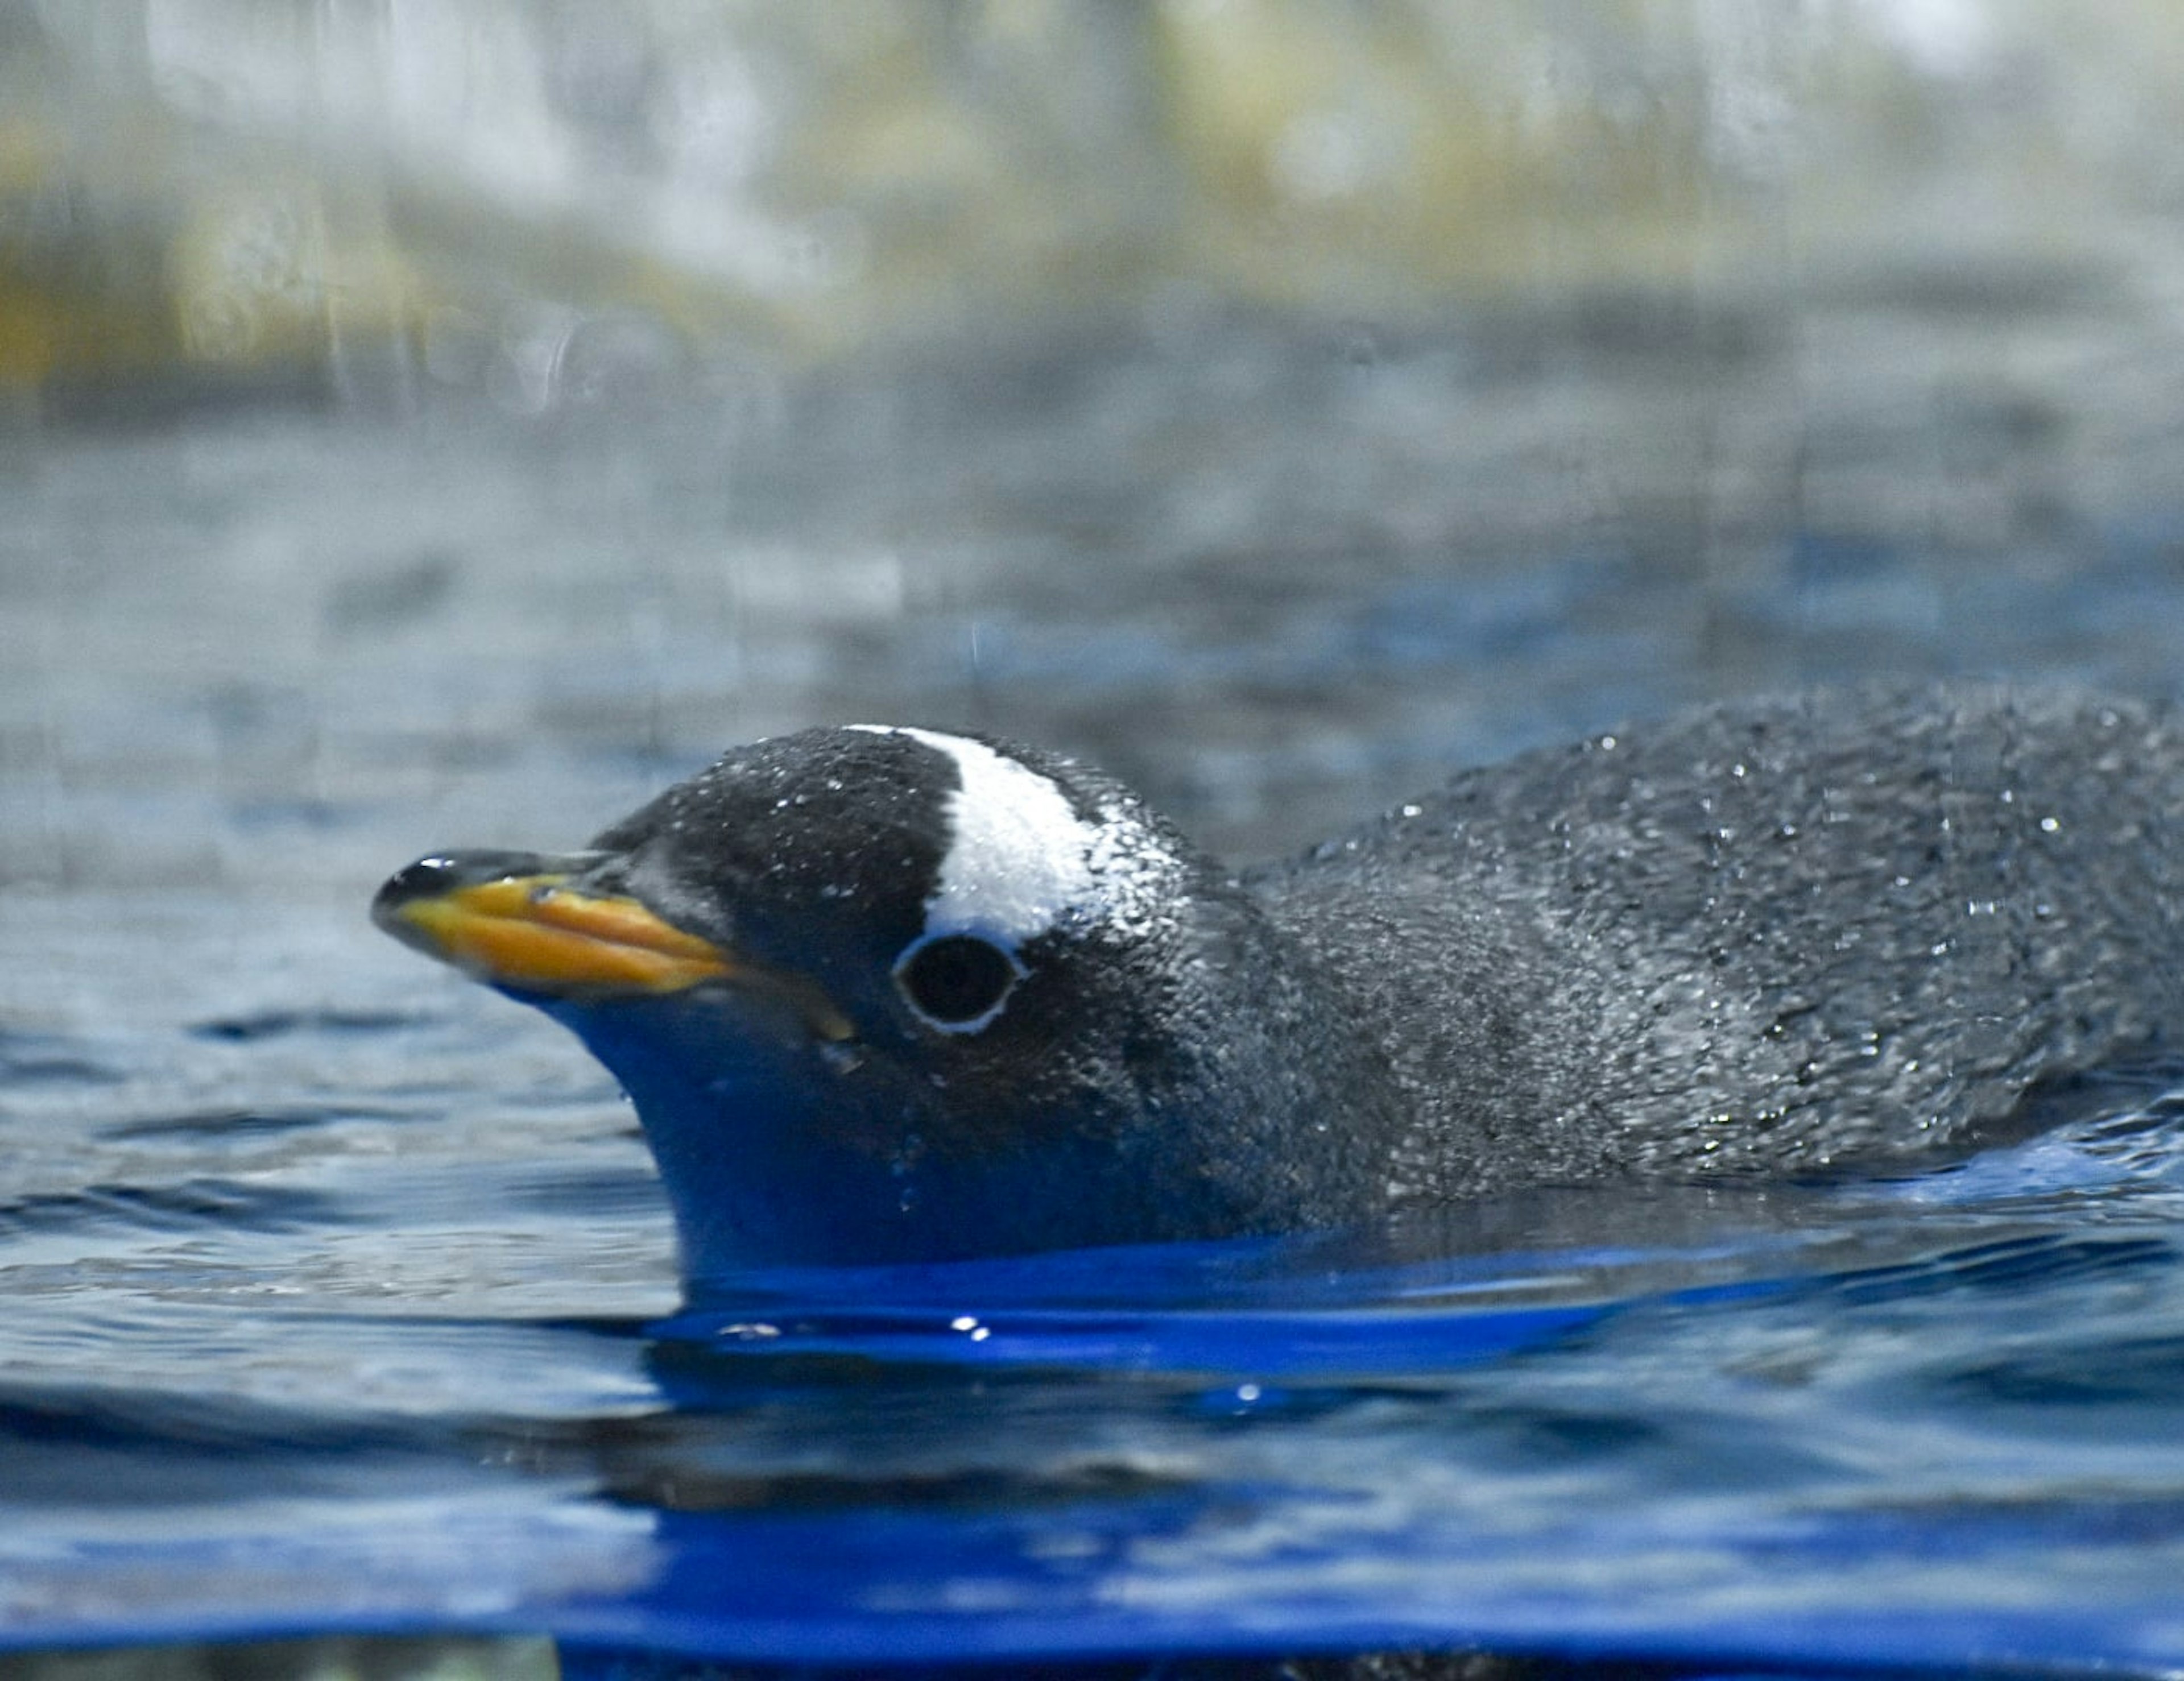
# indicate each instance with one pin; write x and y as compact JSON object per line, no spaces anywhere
{"x":888,"y":994}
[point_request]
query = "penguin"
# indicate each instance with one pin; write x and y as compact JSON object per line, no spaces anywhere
{"x":890,"y":995}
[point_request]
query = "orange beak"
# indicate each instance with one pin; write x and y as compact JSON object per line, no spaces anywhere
{"x":535,"y":934}
{"x":511,"y":919}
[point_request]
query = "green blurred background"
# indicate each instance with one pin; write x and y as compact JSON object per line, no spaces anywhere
{"x":330,"y":195}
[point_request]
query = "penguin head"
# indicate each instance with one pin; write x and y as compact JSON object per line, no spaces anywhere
{"x":888,"y":994}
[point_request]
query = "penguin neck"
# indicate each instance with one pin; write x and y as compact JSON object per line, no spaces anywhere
{"x":1289,"y":1110}
{"x":1438,"y":997}
{"x":763,"y":1166}
{"x":743,"y":1186}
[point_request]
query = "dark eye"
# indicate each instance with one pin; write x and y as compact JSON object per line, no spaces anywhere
{"x":958,"y":982}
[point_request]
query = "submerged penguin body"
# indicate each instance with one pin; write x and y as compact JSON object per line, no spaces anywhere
{"x":891,"y":994}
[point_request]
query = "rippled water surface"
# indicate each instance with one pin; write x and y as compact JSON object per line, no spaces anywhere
{"x":363,"y":1315}
{"x":340,"y":1296}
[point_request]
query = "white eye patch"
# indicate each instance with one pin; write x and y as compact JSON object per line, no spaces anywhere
{"x":1019,"y":858}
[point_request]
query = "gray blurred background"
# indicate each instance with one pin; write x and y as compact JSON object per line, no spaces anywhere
{"x":431,"y":423}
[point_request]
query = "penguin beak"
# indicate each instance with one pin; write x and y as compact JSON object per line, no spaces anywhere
{"x":513,"y":921}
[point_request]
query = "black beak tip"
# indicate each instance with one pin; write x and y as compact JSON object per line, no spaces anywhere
{"x":440,"y":873}
{"x":425,"y":879}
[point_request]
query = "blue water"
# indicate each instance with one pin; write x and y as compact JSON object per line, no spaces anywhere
{"x":381,"y":1333}
{"x":340,"y":1294}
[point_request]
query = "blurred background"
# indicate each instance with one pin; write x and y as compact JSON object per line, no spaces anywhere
{"x":436,"y":423}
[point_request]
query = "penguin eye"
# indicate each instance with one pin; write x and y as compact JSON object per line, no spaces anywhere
{"x":957,"y":982}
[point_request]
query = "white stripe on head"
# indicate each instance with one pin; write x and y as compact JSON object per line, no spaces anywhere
{"x":1019,"y":858}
